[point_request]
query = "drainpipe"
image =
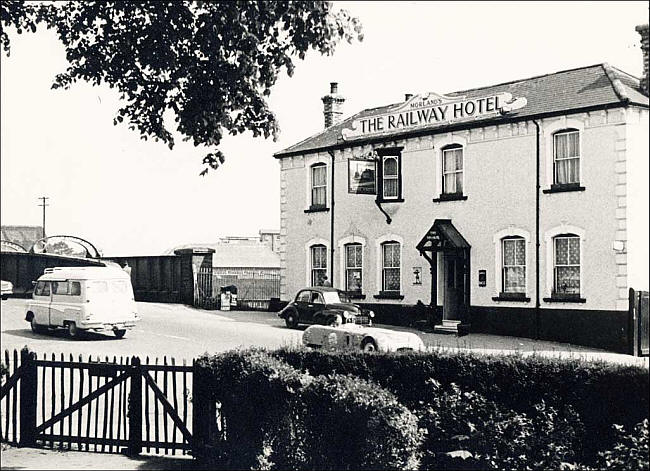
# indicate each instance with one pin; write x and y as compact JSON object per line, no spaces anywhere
{"x":537,"y":190}
{"x":331,"y":153}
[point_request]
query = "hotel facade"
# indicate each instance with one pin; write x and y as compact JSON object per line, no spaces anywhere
{"x":519,"y":208}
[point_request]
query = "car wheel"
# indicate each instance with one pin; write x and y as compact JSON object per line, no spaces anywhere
{"x":291,"y":320}
{"x":119,"y":333}
{"x":37,"y":329}
{"x":369,"y":345}
{"x":73,"y":331}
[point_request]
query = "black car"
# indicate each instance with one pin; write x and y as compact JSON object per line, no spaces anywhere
{"x":322,"y":305}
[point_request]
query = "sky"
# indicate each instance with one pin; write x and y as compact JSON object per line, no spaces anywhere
{"x":133,"y":197}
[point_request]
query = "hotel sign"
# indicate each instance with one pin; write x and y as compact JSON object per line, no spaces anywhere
{"x":431,"y":108}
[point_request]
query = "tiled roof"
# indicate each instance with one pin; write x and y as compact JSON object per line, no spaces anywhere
{"x":587,"y":87}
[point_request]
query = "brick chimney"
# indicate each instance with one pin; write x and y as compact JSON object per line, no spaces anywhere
{"x":643,"y":31}
{"x":333,"y":106}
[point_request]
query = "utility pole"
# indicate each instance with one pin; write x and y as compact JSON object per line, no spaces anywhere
{"x":43,"y":204}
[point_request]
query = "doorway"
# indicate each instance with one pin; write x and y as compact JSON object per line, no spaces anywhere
{"x":454,"y":287}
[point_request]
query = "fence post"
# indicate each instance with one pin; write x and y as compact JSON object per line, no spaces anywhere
{"x":135,"y":408}
{"x":633,"y":322}
{"x":203,"y":414}
{"x":28,"y":397}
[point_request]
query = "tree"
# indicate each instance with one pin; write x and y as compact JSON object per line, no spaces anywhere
{"x":210,"y":64}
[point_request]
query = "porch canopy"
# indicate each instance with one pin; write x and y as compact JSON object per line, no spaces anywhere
{"x":442,"y":237}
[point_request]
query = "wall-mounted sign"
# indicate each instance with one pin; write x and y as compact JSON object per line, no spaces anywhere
{"x":361,"y":177}
{"x":482,"y":278}
{"x":431,"y":108}
{"x":417,"y":275}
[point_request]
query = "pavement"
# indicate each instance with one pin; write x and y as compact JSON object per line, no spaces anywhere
{"x":38,"y":458}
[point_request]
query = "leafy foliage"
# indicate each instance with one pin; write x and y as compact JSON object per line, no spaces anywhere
{"x":279,"y":418}
{"x":468,"y":431}
{"x":632,"y":450}
{"x":355,"y":424}
{"x":19,"y":15}
{"x":599,"y":394}
{"x":210,"y":64}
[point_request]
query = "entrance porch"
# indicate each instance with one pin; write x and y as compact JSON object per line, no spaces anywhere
{"x":448,"y":254}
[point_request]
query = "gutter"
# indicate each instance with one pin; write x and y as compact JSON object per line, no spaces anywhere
{"x":537,"y":191}
{"x":331,"y":153}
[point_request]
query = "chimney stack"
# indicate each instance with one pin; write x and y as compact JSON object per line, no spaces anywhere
{"x":643,"y":31}
{"x":333,"y":105}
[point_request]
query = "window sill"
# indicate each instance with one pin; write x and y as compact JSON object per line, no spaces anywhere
{"x":390,"y":200}
{"x":387,"y":295}
{"x":564,"y":188}
{"x":316,"y":209}
{"x":565,"y":299}
{"x":450,"y":197}
{"x":356,"y":296}
{"x":521,"y":298}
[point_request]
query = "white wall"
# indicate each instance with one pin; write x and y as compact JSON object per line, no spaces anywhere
{"x":500,"y":189}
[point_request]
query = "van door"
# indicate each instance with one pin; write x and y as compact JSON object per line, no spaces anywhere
{"x":41,"y":302}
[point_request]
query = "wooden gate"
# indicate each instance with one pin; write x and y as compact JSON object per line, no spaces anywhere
{"x":640,"y":328}
{"x":203,"y":291}
{"x":102,"y":406}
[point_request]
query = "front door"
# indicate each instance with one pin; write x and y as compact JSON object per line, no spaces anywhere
{"x":454,"y":292}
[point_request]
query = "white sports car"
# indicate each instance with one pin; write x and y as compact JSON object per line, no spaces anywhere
{"x":360,"y":337}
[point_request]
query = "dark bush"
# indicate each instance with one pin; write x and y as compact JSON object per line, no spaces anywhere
{"x":467,"y":431}
{"x":600,"y":394}
{"x":275,"y":417}
{"x":354,"y":424}
{"x":254,"y":392}
{"x":631,"y":450}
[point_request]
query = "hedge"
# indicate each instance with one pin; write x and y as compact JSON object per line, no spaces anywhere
{"x":304,"y":409}
{"x":599,"y":394}
{"x":276,"y":417}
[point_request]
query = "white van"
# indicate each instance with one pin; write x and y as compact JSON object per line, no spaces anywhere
{"x":81,"y":299}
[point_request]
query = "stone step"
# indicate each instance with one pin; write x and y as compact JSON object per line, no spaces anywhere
{"x":445,"y":329}
{"x":450,"y":322}
{"x":452,"y":327}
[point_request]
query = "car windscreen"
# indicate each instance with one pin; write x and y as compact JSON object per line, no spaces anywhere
{"x":331,"y":297}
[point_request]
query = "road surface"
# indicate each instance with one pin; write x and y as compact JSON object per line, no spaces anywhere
{"x":183,"y":332}
{"x":173,"y":330}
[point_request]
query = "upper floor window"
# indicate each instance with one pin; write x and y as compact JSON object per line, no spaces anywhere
{"x":353,"y":268}
{"x":452,"y":170}
{"x":318,"y":265}
{"x":566,"y":157}
{"x":566,"y":266}
{"x":391,"y":267}
{"x":390,"y":187}
{"x":513,"y":274}
{"x":318,"y":185}
{"x":390,"y":174}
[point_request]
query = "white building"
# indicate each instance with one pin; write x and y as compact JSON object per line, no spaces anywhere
{"x":519,"y":208}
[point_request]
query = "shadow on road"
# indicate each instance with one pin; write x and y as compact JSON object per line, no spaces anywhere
{"x":61,"y":334}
